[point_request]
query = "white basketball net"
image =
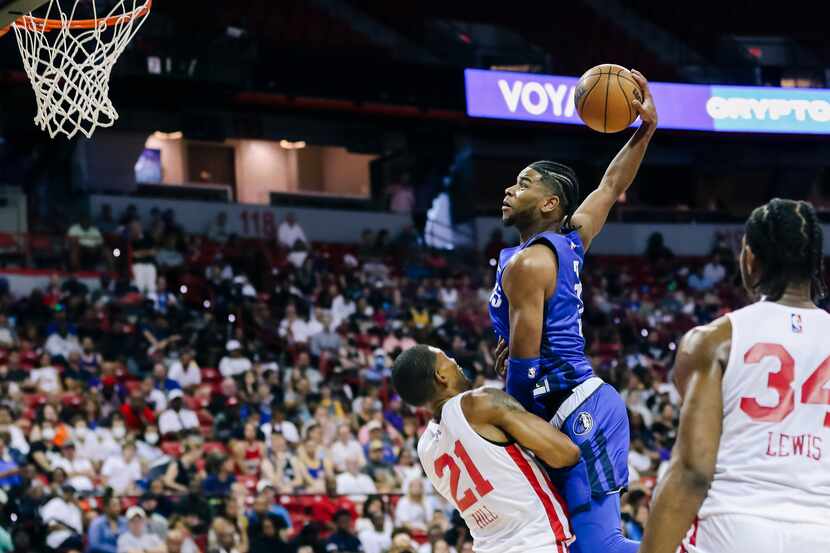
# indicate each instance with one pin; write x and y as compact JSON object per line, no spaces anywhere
{"x":70,"y":68}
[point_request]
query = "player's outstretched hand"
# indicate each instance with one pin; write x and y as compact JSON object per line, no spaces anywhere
{"x":501,"y":357}
{"x":645,"y":109}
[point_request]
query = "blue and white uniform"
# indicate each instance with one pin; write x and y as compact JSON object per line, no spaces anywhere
{"x":564,"y":390}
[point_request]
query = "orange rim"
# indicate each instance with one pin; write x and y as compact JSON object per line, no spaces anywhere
{"x":41,"y":24}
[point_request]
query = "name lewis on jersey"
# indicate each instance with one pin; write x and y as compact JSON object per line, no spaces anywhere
{"x":780,"y":444}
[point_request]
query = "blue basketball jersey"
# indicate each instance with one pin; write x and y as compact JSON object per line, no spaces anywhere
{"x":562,"y":351}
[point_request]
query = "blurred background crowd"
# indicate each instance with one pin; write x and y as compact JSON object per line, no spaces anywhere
{"x":214,"y":405}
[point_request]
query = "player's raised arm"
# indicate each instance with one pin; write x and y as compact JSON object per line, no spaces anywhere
{"x":679,"y":497}
{"x":489,"y":406}
{"x":591,"y":215}
{"x":525,"y":285}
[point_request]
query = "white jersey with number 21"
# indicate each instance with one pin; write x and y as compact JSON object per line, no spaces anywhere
{"x":503,"y":495}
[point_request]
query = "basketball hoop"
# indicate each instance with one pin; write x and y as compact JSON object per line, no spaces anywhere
{"x":69,"y":61}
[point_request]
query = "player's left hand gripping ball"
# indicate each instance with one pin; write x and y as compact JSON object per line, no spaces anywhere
{"x":645,"y":109}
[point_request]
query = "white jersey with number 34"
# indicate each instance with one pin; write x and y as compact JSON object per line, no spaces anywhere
{"x":774,"y":456}
{"x":503,"y":495}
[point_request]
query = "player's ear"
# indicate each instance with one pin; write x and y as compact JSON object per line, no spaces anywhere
{"x":551,"y":203}
{"x":442,"y":372}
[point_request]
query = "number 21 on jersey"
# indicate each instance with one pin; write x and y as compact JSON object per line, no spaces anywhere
{"x":468,"y":497}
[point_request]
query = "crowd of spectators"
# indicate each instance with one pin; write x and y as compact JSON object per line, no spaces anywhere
{"x":230,"y":402}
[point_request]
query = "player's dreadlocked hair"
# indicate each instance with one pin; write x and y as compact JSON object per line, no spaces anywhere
{"x":562,"y":180}
{"x":786,"y":237}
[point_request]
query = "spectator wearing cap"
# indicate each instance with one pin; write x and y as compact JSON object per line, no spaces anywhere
{"x":234,"y":363}
{"x":185,"y":370}
{"x":354,"y":483}
{"x":104,"y":530}
{"x":63,"y":520}
{"x":78,"y":469}
{"x":177,"y":419}
{"x":137,"y":538}
{"x":379,"y":470}
{"x":377,"y":431}
{"x":120,"y":472}
{"x":343,"y":540}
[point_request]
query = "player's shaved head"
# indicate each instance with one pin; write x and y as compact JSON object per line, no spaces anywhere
{"x":413,"y":375}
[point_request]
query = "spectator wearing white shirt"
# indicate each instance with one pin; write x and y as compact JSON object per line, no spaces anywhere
{"x":377,"y":538}
{"x":85,"y":245}
{"x":61,"y":342}
{"x":290,"y":231}
{"x":177,"y":419}
{"x":413,"y":510}
{"x":78,"y":469}
{"x":234,"y":363}
{"x":18,"y":439}
{"x":137,"y":538}
{"x":292,"y":327}
{"x":354,"y":483}
{"x":279,"y":425}
{"x":341,"y":309}
{"x":186,"y":370}
{"x":121,"y":472}
{"x":344,"y":447}
{"x":46,"y":377}
{"x":448,"y":295}
{"x":64,"y":521}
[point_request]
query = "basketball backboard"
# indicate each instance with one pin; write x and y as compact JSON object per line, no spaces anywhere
{"x":12,"y":9}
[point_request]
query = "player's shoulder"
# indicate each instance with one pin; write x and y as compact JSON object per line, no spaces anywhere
{"x":700,"y":348}
{"x":483,"y":404}
{"x":532,"y":262}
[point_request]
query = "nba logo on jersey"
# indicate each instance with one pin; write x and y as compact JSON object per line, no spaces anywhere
{"x":583,"y":423}
{"x":795,"y":323}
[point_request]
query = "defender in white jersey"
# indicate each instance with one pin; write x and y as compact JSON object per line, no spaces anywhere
{"x":751,"y":468}
{"x":480,"y":452}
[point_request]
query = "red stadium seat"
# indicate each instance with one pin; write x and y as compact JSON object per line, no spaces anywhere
{"x":215,"y":447}
{"x":173,"y":449}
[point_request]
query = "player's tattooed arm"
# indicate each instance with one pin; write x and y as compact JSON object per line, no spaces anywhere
{"x":702,"y":360}
{"x":496,"y":408}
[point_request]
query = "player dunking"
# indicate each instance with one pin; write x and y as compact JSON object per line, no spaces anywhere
{"x":752,"y":459}
{"x":473,"y":453}
{"x":536,"y":310}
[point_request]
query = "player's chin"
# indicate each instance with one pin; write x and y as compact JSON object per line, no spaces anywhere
{"x":507,"y":219}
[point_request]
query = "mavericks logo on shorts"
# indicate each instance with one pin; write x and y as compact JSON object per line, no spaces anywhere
{"x":583,"y":423}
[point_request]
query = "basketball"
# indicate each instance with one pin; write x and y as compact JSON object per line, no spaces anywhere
{"x":603,"y":98}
